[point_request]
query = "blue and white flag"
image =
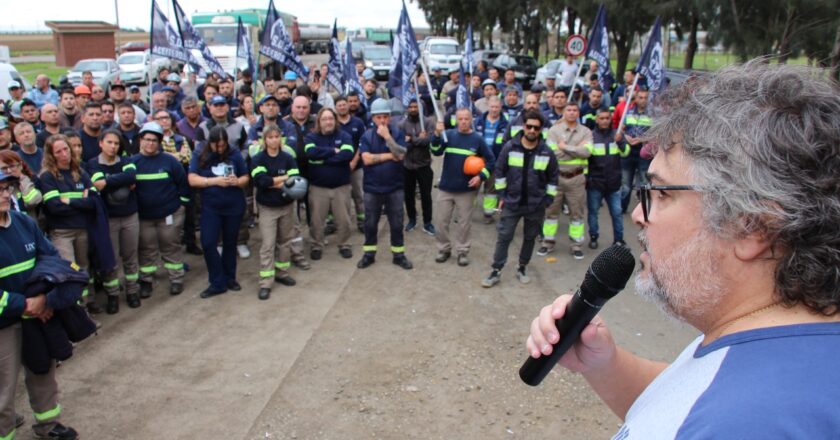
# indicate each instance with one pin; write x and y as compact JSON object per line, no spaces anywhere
{"x":405,"y":56}
{"x":277,"y":45}
{"x":462,"y":96}
{"x":192,"y":40}
{"x":165,"y":40}
{"x":652,"y":63}
{"x":243,"y":48}
{"x":350,"y":75}
{"x":335,"y":71}
{"x":599,"y":49}
{"x":468,"y":62}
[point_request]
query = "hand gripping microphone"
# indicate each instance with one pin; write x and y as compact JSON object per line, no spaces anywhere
{"x":607,"y":276}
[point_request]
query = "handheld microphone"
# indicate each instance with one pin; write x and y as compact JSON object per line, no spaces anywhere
{"x":607,"y":276}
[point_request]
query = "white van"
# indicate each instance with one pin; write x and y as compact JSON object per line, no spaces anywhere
{"x":441,"y":52}
{"x":9,"y":73}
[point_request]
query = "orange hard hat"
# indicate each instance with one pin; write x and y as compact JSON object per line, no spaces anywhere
{"x":473,"y":165}
{"x":81,"y":90}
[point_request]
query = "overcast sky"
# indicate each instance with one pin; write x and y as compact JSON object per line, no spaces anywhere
{"x":22,"y":15}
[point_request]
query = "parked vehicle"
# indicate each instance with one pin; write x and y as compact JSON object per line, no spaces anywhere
{"x":134,"y":46}
{"x":135,"y":67}
{"x":105,"y":72}
{"x":524,"y":67}
{"x":378,"y":59}
{"x":8,"y":73}
{"x":548,"y":70}
{"x":441,"y":52}
{"x":487,"y":55}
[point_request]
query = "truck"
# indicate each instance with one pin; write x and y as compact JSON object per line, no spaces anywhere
{"x":219,"y":29}
{"x":315,"y":38}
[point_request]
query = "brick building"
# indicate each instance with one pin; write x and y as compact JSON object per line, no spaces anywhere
{"x":77,"y":40}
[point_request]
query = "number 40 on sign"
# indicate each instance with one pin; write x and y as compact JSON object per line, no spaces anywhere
{"x":575,"y":45}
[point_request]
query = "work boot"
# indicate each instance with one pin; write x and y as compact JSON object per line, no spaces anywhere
{"x":133,"y":300}
{"x":345,"y":252}
{"x":593,"y":242}
{"x":264,"y":293}
{"x":315,"y":255}
{"x":211,"y":292}
{"x":285,"y":280}
{"x":401,"y":261}
{"x":367,"y":260}
{"x":463,"y":260}
{"x":233,"y":285}
{"x":58,"y":431}
{"x":176,"y":289}
{"x":93,"y":308}
{"x":302,"y":264}
{"x":578,"y":254}
{"x":113,"y":306}
{"x":442,"y":256}
{"x":145,"y":289}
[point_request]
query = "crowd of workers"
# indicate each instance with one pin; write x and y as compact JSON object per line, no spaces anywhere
{"x":122,"y":185}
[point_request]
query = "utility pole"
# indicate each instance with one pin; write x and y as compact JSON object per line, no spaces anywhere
{"x":117,"y":13}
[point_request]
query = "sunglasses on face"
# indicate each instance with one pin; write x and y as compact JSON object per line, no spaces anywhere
{"x":533,"y":127}
{"x":644,"y":194}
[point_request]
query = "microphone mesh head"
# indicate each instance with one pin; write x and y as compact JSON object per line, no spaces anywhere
{"x":612,"y":268}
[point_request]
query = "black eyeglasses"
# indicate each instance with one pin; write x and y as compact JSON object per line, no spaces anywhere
{"x":643,"y":192}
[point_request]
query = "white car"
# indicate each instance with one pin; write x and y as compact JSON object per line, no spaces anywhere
{"x":134,"y":67}
{"x":9,"y":73}
{"x":441,"y":52}
{"x":105,"y":72}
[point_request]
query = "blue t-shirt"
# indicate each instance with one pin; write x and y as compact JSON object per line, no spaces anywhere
{"x":227,"y":200}
{"x":33,"y":160}
{"x":490,"y":131}
{"x":778,"y":382}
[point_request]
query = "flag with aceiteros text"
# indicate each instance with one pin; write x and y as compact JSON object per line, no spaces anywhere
{"x":652,"y":64}
{"x":599,"y":49}
{"x":277,"y":45}
{"x":165,"y":40}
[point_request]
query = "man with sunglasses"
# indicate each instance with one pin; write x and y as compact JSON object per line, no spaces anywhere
{"x":571,"y":140}
{"x":526,"y":181}
{"x":741,"y":240}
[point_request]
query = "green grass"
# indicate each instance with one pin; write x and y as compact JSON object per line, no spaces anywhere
{"x":702,"y":60}
{"x":23,"y":53}
{"x":31,"y":70}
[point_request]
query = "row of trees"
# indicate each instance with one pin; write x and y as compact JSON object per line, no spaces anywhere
{"x":747,"y":28}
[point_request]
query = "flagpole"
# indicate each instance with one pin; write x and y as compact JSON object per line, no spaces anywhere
{"x":627,"y":104}
{"x":434,"y":106}
{"x":574,"y":81}
{"x":419,"y":102}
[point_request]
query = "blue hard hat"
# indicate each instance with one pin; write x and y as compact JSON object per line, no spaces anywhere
{"x":290,"y":76}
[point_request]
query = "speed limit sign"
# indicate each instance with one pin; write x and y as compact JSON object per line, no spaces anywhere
{"x":575,"y":45}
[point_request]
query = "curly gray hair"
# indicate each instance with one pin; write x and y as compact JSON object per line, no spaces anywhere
{"x":765,"y":140}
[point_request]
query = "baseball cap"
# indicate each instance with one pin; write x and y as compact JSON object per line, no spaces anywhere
{"x":81,"y":90}
{"x":267,"y":98}
{"x":7,"y":177}
{"x":368,"y":74}
{"x":173,"y":77}
{"x":290,"y":76}
{"x":437,"y":69}
{"x":13,"y":85}
{"x":488,"y":82}
{"x":133,"y":88}
{"x":118,"y":86}
{"x":4,"y":124}
{"x":167,"y":89}
{"x":217,"y":100}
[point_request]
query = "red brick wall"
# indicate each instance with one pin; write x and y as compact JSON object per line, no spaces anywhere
{"x":70,"y":48}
